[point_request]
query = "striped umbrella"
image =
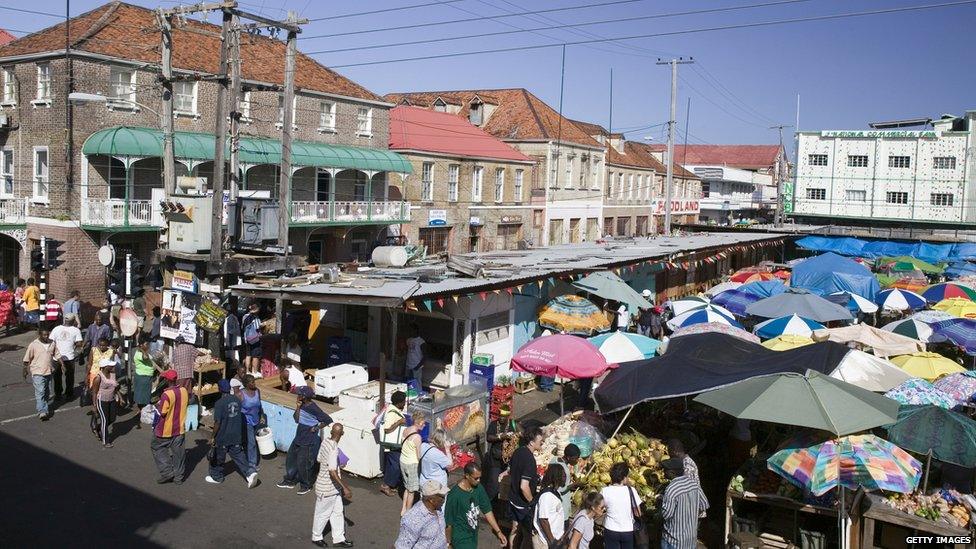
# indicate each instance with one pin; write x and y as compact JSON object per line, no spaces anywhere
{"x":745,"y":276}
{"x":928,"y":366}
{"x":620,"y":347}
{"x":961,"y":387}
{"x":735,"y":301}
{"x":957,"y":306}
{"x":857,"y":303}
{"x":946,"y":290}
{"x":931,"y":316}
{"x":719,"y":288}
{"x":961,"y":331}
{"x":685,"y":304}
{"x":899,"y":300}
{"x":914,"y":329}
{"x":715,"y":327}
{"x":917,"y":392}
{"x":700,"y":317}
{"x":790,"y":325}
{"x":574,"y":315}
{"x":788,"y":342}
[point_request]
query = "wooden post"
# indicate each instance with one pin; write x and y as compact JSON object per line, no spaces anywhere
{"x":220,"y":133}
{"x":169,"y":162}
{"x":235,"y":105}
{"x":288,"y":101}
{"x":382,"y":399}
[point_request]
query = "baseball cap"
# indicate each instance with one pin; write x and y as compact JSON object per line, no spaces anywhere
{"x":305,"y":391}
{"x":234,"y":382}
{"x":169,"y":375}
{"x":223,"y":385}
{"x":646,"y":293}
{"x":433,"y":488}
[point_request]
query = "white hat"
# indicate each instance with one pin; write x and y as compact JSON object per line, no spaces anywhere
{"x":106,"y":362}
{"x":234,"y":382}
{"x":432,"y":488}
{"x":646,"y":293}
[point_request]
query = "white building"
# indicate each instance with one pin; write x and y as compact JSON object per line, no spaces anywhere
{"x":731,"y":194}
{"x":887,"y":173}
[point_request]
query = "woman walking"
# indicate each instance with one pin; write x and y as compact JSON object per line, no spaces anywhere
{"x":253,"y":416}
{"x":103,"y":389}
{"x":582,"y":526}
{"x":142,"y":380}
{"x":410,"y":460}
{"x":435,"y":458}
{"x":549,"y":520}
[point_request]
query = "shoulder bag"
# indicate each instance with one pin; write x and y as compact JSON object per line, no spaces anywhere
{"x":641,"y":538}
{"x":391,"y":440}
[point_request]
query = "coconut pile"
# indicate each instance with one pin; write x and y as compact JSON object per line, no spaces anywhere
{"x":644,"y":456}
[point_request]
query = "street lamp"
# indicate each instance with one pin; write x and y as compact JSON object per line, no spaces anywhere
{"x":81,"y":97}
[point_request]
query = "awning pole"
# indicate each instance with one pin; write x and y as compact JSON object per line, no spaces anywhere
{"x":615,"y":431}
{"x":382,"y":399}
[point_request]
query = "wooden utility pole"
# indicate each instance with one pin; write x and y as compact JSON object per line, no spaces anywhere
{"x":284,"y":178}
{"x":669,"y":180}
{"x":217,"y":215}
{"x":169,"y":155}
{"x":235,"y":106}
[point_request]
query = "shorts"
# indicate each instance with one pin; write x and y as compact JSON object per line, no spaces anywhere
{"x":254,"y":350}
{"x":523,"y":516}
{"x":411,"y":476}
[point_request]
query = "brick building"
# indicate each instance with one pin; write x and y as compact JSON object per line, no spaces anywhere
{"x":468,"y":190}
{"x":90,"y":174}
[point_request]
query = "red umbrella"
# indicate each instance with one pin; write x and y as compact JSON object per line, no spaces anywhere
{"x":561,"y":355}
{"x":745,"y":276}
{"x":782,"y":274}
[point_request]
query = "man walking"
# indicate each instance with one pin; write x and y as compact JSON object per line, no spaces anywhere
{"x":391,"y":437}
{"x":67,"y":341}
{"x":676,"y":450}
{"x":465,"y":503}
{"x":330,"y":490}
{"x":38,"y":362}
{"x":32,"y":302}
{"x":72,"y":308}
{"x":305,"y":446}
{"x":227,"y":438}
{"x":96,"y":331}
{"x":523,"y":479}
{"x":184,"y":358}
{"x":681,"y":506}
{"x":52,"y":310}
{"x":169,"y":432}
{"x":422,"y":527}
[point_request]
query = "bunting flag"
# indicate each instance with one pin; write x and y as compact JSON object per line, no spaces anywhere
{"x":497,"y":291}
{"x":552,"y":281}
{"x":484,"y":296}
{"x":455,"y":296}
{"x":440,"y":302}
{"x":509,"y":290}
{"x":540,"y":282}
{"x":520,"y":286}
{"x":429,"y":304}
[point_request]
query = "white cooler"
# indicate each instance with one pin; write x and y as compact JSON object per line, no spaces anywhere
{"x":330,"y":382}
{"x":364,"y":398}
{"x":358,"y":443}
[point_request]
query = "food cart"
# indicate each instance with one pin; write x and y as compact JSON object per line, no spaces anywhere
{"x":461,"y":411}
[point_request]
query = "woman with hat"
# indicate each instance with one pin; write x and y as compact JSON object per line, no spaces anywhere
{"x":104,"y":387}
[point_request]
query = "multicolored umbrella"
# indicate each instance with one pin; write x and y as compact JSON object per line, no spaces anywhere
{"x":947,"y":290}
{"x":561,"y":355}
{"x":961,"y":387}
{"x":715,"y":327}
{"x":857,"y":303}
{"x":899,"y":300}
{"x":735,"y":301}
{"x":745,"y":276}
{"x":908,"y":263}
{"x":719,"y":288}
{"x":957,"y":306}
{"x":787,"y":325}
{"x":573,"y":314}
{"x":852,"y":461}
{"x":914,"y":329}
{"x":685,"y":304}
{"x":700,"y":316}
{"x":950,"y":436}
{"x":787,"y":342}
{"x":961,"y":331}
{"x":625,"y":346}
{"x":919,"y":392}
{"x":928,"y":366}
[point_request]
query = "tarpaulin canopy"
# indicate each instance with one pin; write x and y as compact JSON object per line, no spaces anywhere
{"x":829,"y":273}
{"x":702,"y":362}
{"x":735,"y":301}
{"x":801,"y":303}
{"x":882,"y":342}
{"x":933,"y":253}
{"x":763,"y":288}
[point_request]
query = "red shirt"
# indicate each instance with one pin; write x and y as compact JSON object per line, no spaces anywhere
{"x":172,"y":407}
{"x":52,"y":309}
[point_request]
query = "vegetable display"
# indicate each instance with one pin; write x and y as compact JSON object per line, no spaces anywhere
{"x":643,"y":454}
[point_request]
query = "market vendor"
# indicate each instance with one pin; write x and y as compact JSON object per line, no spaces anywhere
{"x":500,"y":432}
{"x":569,"y":463}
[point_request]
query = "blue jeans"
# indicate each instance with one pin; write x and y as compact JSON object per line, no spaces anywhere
{"x":236,"y":454}
{"x":253,"y":456}
{"x":546,"y":383}
{"x":32,"y":317}
{"x":299,"y":464}
{"x":618,"y":540}
{"x":391,"y":469}
{"x":666,"y":545}
{"x":42,"y":385}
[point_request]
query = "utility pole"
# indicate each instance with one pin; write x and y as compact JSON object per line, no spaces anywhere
{"x":284,"y":178}
{"x":780,"y":164}
{"x":169,"y":155}
{"x":220,"y":132}
{"x":669,"y":181}
{"x":235,"y":106}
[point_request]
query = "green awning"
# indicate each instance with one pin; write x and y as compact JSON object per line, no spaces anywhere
{"x":147,"y":142}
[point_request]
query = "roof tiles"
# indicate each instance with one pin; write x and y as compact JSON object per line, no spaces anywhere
{"x":418,"y":129}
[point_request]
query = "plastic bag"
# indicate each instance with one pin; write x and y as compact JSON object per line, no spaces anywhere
{"x":148,"y":414}
{"x":587,"y":437}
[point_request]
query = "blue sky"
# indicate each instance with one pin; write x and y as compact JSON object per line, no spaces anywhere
{"x":848,"y":72}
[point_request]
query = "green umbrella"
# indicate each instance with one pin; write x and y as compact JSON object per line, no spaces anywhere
{"x":812,"y":400}
{"x":950,"y":436}
{"x":909,"y":263}
{"x":610,"y":286}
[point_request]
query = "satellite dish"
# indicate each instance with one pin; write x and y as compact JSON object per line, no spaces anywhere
{"x":128,"y":322}
{"x":106,"y":255}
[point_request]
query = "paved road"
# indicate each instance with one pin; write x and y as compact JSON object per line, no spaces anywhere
{"x":64,"y":489}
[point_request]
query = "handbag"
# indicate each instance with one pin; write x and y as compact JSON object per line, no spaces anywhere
{"x":641,"y":537}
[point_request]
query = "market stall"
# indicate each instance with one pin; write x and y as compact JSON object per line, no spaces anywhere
{"x":887,"y":522}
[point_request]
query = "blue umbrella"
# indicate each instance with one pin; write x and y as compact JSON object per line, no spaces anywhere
{"x":959,"y":269}
{"x":735,"y":300}
{"x":961,"y":331}
{"x":791,"y":324}
{"x":701,"y":316}
{"x":620,"y":347}
{"x":900,"y":300}
{"x":854,"y":302}
{"x":763,"y":288}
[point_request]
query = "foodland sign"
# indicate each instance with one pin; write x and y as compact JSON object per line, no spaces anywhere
{"x":677,"y":206}
{"x":881,"y":134}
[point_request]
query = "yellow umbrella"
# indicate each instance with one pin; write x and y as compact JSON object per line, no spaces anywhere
{"x":786,"y":342}
{"x":929,"y":366}
{"x":957,"y":306}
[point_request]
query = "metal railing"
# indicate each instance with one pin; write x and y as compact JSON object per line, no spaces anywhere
{"x":341,"y":211}
{"x":114,"y":212}
{"x":13,"y":211}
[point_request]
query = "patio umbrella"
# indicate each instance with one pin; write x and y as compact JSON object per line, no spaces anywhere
{"x":782,"y":274}
{"x":899,"y":300}
{"x":625,"y":347}
{"x":701,"y":316}
{"x":787,"y":342}
{"x":799,"y":302}
{"x":851,"y":462}
{"x":869,"y":372}
{"x":788,"y":325}
{"x":914,"y":329}
{"x":856,"y":303}
{"x":719,"y":288}
{"x":574,"y":315}
{"x":715,"y":327}
{"x":930,"y":316}
{"x":685,"y":304}
{"x":961,"y":331}
{"x":881,"y":342}
{"x":763,"y":288}
{"x":961,"y":387}
{"x":813,"y":400}
{"x":909,"y":263}
{"x":610,"y":286}
{"x":561,"y":355}
{"x":928,"y":366}
{"x":751,"y":276}
{"x":957,"y":306}
{"x":946,"y":290}
{"x":917,"y":392}
{"x":948,"y":435}
{"x":735,"y":301}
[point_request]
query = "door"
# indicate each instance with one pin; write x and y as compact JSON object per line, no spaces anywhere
{"x":525,"y":320}
{"x":574,"y":230}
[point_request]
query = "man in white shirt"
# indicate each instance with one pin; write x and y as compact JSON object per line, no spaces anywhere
{"x":623,"y":318}
{"x":415,"y":355}
{"x":67,"y":339}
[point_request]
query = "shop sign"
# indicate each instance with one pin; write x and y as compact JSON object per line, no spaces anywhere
{"x":475,"y":221}
{"x":511,"y":219}
{"x":183,"y":281}
{"x":881,"y":134}
{"x":677,"y":206}
{"x":437,"y":218}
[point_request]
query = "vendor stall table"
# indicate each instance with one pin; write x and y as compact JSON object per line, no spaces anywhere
{"x":882,"y":526}
{"x":777,"y":533}
{"x":214,"y":372}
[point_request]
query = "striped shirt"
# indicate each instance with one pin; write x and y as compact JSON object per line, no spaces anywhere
{"x":52,"y":310}
{"x":681,"y":507}
{"x":172,"y":407}
{"x":328,"y":458}
{"x":421,"y":529}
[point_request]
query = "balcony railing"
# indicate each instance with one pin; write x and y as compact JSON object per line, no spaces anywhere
{"x":324,"y":211}
{"x":13,"y":211}
{"x":115,"y":212}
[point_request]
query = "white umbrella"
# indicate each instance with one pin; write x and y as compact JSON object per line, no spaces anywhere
{"x":864,"y":305}
{"x":869,"y":372}
{"x":719,"y":288}
{"x":685,"y":304}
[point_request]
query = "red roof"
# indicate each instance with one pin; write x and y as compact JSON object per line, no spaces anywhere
{"x":746,"y":157}
{"x":6,"y":37}
{"x":418,"y":129}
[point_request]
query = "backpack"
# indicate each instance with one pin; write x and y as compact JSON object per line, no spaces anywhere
{"x":252,"y":333}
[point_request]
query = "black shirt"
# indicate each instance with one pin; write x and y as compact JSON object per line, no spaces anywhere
{"x":227,"y":412}
{"x":522,"y":466}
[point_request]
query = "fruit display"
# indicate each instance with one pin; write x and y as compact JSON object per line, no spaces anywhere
{"x":557,"y":435}
{"x":643,"y":454}
{"x":946,"y":506}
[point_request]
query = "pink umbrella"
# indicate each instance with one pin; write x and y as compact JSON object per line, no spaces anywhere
{"x":561,"y":355}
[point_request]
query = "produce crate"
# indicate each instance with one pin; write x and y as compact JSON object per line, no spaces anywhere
{"x":524,"y":385}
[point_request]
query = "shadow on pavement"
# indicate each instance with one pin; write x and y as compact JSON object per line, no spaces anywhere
{"x":57,"y":503}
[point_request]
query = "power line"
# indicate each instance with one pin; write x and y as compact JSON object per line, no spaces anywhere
{"x":718,"y":106}
{"x":669,"y":33}
{"x":384,"y":10}
{"x":703,"y":72}
{"x":33,"y":12}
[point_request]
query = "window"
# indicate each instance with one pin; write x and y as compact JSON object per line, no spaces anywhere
{"x":499,"y":184}
{"x":595,"y":176}
{"x":492,"y":328}
{"x":7,"y":172}
{"x":281,"y":111}
{"x":941,"y":199}
{"x":477,"y":181}
{"x":427,"y":182}
{"x":122,"y":85}
{"x":816,"y":194}
{"x":896,"y":197}
{"x":569,"y":171}
{"x":899,"y":162}
{"x":327,"y":116}
{"x":453,"y":172}
{"x":323,"y":187}
{"x":117,"y":178}
{"x":41,"y":174}
{"x":244,"y":107}
{"x":817,"y":159}
{"x":517,"y":190}
{"x":9,"y":87}
{"x":508,"y":237}
{"x":553,"y":162}
{"x":857,"y":161}
{"x":630,"y":186}
{"x":476,"y":115}
{"x":364,"y":122}
{"x":435,"y":238}
{"x":944,"y":163}
{"x":584,"y":161}
{"x":440,"y":106}
{"x":706,"y":188}
{"x":855,"y":196}
{"x":185,"y":98}
{"x":43,"y":82}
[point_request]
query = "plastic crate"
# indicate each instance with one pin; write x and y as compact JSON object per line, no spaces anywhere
{"x":483,"y":376}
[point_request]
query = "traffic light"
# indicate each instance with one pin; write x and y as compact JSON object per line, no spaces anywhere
{"x":116,"y":281}
{"x":53,"y":253}
{"x":37,"y":260}
{"x":137,"y":278}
